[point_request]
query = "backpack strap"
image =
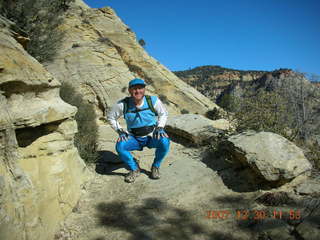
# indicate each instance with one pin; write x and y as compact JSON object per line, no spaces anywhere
{"x":125,"y":105}
{"x":150,"y":105}
{"x":149,"y":102}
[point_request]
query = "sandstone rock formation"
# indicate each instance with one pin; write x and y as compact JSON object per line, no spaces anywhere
{"x":41,"y":173}
{"x":196,"y":129}
{"x":100,"y":56}
{"x":271,"y":156}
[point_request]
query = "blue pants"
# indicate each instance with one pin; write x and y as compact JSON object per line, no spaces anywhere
{"x":138,"y":143}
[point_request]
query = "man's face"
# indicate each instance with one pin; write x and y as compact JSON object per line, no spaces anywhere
{"x":137,"y":92}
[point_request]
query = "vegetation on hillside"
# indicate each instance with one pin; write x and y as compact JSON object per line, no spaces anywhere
{"x":212,"y":70}
{"x":85,"y":139}
{"x":261,"y":111}
{"x":39,"y":20}
{"x":290,"y":109}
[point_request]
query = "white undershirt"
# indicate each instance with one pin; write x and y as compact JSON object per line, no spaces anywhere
{"x":117,"y":111}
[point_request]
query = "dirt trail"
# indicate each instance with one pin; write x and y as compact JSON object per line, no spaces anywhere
{"x":173,"y":207}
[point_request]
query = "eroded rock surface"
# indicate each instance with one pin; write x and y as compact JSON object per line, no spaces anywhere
{"x":41,"y":173}
{"x":311,"y":186}
{"x":196,"y":129}
{"x":270,"y":155}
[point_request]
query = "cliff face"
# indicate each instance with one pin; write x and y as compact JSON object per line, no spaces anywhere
{"x":211,"y":81}
{"x":100,"y":56}
{"x":41,"y":172}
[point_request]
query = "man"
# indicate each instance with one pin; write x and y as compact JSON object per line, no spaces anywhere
{"x":145,"y":117}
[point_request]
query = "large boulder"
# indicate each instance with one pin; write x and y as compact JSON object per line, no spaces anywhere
{"x":271,"y":156}
{"x":196,"y":129}
{"x":309,"y":187}
{"x":41,"y":172}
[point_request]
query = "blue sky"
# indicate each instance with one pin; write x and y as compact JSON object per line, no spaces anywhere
{"x":238,"y":34}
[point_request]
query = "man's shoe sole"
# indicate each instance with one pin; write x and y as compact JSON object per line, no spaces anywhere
{"x":131,"y":181}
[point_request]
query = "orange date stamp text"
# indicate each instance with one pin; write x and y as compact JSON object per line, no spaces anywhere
{"x":245,"y":214}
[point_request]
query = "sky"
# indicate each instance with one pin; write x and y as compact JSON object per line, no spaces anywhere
{"x":238,"y":34}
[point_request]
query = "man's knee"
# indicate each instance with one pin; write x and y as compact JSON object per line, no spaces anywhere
{"x":120,"y":146}
{"x":163,"y":143}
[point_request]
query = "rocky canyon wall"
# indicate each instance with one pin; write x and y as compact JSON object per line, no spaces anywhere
{"x":41,"y":173}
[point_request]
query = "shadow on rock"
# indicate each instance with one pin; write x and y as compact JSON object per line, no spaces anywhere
{"x":181,"y":140}
{"x":235,"y":176}
{"x":155,"y":219}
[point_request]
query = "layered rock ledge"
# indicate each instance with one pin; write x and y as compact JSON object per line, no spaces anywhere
{"x":41,"y":172}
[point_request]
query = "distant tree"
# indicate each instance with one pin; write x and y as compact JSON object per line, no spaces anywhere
{"x":227,"y":102}
{"x":142,"y":42}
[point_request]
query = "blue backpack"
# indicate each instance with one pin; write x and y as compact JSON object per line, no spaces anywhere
{"x":149,"y":102}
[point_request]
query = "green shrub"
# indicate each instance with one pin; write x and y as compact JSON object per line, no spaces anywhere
{"x":311,"y":150}
{"x":228,"y":102}
{"x":263,"y":111}
{"x":40,"y":20}
{"x":314,"y":155}
{"x":184,"y":111}
{"x":164,"y":99}
{"x":85,"y":139}
{"x":213,"y":114}
{"x":124,"y":89}
{"x":75,"y":45}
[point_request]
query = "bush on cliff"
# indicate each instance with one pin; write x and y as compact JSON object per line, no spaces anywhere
{"x":40,"y":20}
{"x":85,"y":139}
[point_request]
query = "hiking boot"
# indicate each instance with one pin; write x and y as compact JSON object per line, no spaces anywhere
{"x":155,"y":173}
{"x":132,"y":175}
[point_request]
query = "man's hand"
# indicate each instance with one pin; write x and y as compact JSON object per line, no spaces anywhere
{"x":159,"y":132}
{"x":123,"y":135}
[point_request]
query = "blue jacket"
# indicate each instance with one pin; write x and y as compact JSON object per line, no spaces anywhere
{"x":135,"y":118}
